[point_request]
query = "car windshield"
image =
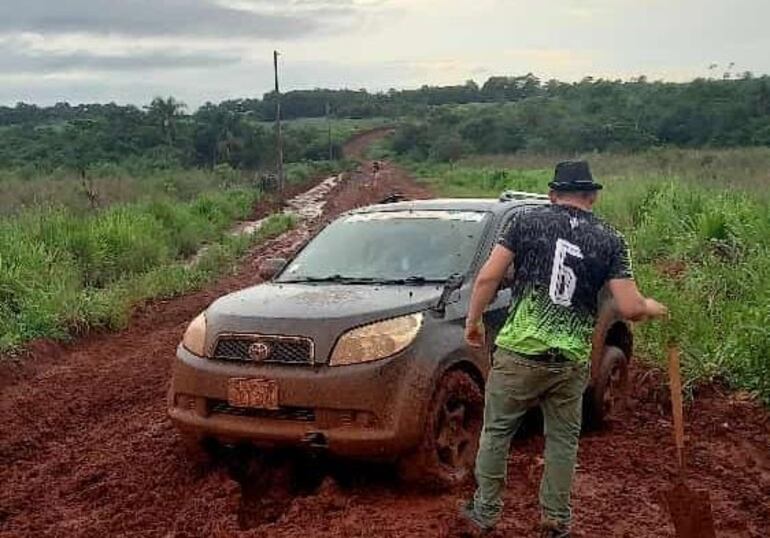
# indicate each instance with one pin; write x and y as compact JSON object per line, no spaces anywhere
{"x":391,"y":246}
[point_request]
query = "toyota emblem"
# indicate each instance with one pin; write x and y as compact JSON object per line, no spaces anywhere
{"x":259,"y":351}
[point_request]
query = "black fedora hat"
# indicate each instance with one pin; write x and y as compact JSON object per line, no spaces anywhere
{"x":573,"y":176}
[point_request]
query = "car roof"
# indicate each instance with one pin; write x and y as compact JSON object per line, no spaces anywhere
{"x":491,"y":205}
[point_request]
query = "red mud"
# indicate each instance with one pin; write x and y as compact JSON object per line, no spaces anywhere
{"x":86,"y":448}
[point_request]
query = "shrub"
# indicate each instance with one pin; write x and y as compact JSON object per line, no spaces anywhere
{"x":62,"y":272}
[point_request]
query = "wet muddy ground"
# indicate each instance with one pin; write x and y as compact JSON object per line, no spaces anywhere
{"x":86,"y":448}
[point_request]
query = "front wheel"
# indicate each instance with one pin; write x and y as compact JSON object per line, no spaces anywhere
{"x":608,"y":394}
{"x":445,"y":457}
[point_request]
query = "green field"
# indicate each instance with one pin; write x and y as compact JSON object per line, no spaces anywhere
{"x":698,"y":223}
{"x":134,"y":182}
{"x":342,"y":128}
{"x":63,"y":272}
{"x":80,"y":248}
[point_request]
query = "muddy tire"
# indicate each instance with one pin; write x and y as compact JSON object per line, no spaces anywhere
{"x":608,"y":394}
{"x":445,"y":457}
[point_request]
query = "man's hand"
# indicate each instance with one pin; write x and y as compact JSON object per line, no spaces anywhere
{"x":475,"y":333}
{"x":655,"y":309}
{"x":631,"y":304}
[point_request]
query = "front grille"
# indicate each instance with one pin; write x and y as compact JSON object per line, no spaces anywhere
{"x":282,"y":349}
{"x":299,"y":414}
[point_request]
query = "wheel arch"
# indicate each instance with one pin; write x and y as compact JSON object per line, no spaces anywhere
{"x":462,"y":365}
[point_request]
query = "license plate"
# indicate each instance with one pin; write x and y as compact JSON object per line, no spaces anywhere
{"x":256,"y":393}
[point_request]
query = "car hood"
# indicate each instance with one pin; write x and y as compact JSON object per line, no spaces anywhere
{"x":319,"y":311}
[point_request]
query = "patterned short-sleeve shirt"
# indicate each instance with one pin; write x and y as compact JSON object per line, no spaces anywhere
{"x":563,"y":256}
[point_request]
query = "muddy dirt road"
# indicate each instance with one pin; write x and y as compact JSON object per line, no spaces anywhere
{"x":86,"y":448}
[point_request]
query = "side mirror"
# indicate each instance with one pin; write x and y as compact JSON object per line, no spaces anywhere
{"x":452,"y":284}
{"x":271,"y":267}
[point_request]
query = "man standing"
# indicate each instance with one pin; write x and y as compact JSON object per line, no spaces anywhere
{"x":563,"y":255}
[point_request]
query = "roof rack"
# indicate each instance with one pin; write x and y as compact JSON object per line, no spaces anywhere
{"x":509,"y":196}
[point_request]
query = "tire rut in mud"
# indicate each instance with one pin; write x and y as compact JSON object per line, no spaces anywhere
{"x":269,"y":483}
{"x":276,"y":487}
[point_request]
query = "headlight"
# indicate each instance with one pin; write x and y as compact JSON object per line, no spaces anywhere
{"x":194,"y":339}
{"x":376,"y":341}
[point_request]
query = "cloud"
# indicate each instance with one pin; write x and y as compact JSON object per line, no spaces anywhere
{"x":78,"y":38}
{"x":64,"y":63}
{"x":32,"y":54}
{"x":260,"y":19}
{"x":197,"y":50}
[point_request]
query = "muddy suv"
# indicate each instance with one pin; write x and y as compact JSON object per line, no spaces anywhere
{"x":355,"y":346}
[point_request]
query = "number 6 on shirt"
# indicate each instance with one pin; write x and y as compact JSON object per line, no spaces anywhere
{"x":563,"y":279}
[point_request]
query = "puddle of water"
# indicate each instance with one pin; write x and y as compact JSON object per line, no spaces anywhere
{"x":305,"y":207}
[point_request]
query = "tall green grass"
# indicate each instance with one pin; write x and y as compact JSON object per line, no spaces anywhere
{"x":702,"y":249}
{"x":136,"y":181}
{"x":342,"y":128}
{"x":63,"y":271}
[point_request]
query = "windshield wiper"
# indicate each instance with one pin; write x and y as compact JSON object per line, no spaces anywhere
{"x":414,"y":279}
{"x":407,"y":281}
{"x":331,"y":278}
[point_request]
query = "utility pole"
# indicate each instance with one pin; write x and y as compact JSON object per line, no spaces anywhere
{"x":278,"y":131}
{"x":329,"y":125}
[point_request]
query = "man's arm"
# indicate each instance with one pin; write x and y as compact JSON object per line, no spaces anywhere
{"x":631,"y":304}
{"x":484,"y":290}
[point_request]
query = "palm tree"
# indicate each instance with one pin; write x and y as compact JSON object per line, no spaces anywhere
{"x":166,"y":111}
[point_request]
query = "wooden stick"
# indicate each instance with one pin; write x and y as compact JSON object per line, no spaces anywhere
{"x":675,"y":383}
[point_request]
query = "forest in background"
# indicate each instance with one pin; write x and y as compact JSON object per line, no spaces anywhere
{"x":506,"y":114}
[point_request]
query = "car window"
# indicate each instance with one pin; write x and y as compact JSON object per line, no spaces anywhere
{"x":392,"y":245}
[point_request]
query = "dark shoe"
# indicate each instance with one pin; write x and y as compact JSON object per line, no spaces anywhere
{"x":554,"y":530}
{"x":471,"y":522}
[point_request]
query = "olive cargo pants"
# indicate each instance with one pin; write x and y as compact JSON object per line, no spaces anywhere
{"x":516,"y":384}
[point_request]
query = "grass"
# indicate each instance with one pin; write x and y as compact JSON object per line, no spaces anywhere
{"x":111,"y":307}
{"x":62,"y":272}
{"x":79,"y":254}
{"x":700,"y":242}
{"x":131,"y":182}
{"x":342,"y":128}
{"x":301,"y":172}
{"x":746,"y":169}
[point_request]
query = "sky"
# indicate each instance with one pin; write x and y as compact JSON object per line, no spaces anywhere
{"x":129,"y":51}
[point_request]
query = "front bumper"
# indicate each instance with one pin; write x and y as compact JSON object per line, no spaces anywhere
{"x":372,"y":410}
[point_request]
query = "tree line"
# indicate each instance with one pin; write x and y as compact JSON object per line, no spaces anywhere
{"x":160,"y":135}
{"x":505,"y":114}
{"x":597,"y":115}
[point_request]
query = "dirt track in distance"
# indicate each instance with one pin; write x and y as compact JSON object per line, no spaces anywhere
{"x":86,"y":448}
